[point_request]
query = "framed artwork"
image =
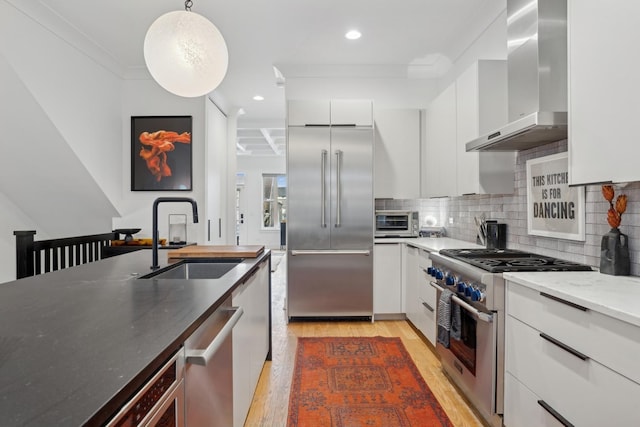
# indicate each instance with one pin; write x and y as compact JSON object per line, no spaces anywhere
{"x":161,"y":155}
{"x":553,"y":208}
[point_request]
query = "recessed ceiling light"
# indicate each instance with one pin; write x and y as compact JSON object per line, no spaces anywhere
{"x":353,"y":35}
{"x":258,"y":98}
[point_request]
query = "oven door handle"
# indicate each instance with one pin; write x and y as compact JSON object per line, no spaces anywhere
{"x":485,"y":317}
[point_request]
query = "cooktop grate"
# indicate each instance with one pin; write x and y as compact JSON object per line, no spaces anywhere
{"x":504,"y":260}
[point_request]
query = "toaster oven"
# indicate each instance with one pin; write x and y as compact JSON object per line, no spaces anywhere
{"x":392,"y":223}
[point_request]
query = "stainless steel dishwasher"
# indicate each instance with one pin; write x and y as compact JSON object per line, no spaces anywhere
{"x":208,"y":370}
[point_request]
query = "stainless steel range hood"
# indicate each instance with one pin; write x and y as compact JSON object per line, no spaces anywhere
{"x":537,"y":82}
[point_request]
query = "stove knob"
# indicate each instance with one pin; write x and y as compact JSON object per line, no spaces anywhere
{"x":462,"y":287}
{"x":439,"y":274}
{"x":468,"y":291}
{"x":449,"y":280}
{"x":430,"y":271}
{"x":475,"y":295}
{"x":481,"y":295}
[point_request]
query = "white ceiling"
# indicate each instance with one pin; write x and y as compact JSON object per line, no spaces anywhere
{"x":303,"y":38}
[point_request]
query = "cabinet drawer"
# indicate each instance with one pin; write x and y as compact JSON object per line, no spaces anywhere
{"x":585,"y":392}
{"x":426,"y":292}
{"x":423,"y":259}
{"x":427,"y":323}
{"x":609,"y":341}
{"x":521,"y":407}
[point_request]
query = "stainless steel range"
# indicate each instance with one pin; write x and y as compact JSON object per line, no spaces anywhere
{"x":474,"y":360}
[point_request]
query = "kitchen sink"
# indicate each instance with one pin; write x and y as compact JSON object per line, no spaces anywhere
{"x":196,"y":269}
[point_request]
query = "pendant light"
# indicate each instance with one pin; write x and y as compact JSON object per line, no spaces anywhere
{"x":185,"y":53}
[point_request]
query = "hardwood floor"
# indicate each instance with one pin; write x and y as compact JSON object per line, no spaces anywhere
{"x":270,"y":402}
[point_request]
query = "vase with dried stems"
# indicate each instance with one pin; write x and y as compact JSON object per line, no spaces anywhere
{"x":614,"y":250}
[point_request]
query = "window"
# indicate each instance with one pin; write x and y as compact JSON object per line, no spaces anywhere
{"x":274,"y":200}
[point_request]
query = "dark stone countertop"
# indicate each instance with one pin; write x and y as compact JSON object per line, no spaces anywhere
{"x":76,"y":343}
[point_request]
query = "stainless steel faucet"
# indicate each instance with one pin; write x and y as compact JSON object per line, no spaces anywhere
{"x":154,"y":244}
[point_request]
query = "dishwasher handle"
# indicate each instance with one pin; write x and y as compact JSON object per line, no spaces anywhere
{"x":202,"y":357}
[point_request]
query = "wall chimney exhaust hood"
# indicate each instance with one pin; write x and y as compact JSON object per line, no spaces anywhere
{"x":537,"y":78}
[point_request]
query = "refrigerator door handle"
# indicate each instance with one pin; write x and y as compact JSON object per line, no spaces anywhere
{"x":331,"y":252}
{"x":323,"y":187}
{"x":338,"y":192}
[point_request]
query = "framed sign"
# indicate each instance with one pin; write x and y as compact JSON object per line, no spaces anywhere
{"x":553,"y":208}
{"x":161,"y":153}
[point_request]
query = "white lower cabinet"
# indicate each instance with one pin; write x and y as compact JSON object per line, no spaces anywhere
{"x":522,"y":407}
{"x":250,"y":340}
{"x":552,"y":378}
{"x":420,"y":296}
{"x":427,"y":298}
{"x":387,"y":278}
{"x":410,"y":278}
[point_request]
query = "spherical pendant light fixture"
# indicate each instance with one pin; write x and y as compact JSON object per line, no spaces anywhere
{"x":185,"y":53}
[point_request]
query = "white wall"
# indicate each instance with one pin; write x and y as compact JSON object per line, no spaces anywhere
{"x":253,"y":167}
{"x":146,"y":98}
{"x":491,"y":44}
{"x":404,"y":91}
{"x":61,"y":124}
{"x":65,"y":118}
{"x":385,"y":92}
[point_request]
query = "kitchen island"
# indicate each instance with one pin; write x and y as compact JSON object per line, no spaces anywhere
{"x":76,"y":344}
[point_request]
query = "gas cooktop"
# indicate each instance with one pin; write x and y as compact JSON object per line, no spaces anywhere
{"x":503,"y":260}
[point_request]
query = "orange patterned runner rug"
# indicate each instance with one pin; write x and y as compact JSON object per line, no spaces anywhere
{"x":359,"y":382}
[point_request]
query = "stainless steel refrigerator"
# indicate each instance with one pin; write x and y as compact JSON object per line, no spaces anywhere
{"x":330,"y":211}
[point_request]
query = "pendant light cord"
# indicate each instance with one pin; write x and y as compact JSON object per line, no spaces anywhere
{"x":187,"y":5}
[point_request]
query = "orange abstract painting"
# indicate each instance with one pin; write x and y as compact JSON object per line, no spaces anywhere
{"x":156,"y":147}
{"x":161,"y":153}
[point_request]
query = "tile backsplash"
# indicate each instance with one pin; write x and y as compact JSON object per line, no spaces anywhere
{"x":457,"y":214}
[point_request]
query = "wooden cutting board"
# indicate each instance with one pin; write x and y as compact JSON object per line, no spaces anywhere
{"x":218,"y":251}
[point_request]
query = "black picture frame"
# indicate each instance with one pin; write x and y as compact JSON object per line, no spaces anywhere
{"x":161,"y":153}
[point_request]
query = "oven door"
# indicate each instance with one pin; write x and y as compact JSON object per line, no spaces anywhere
{"x":471,"y":361}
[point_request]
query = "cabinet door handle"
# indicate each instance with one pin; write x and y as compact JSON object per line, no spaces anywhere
{"x":555,"y":413}
{"x":565,"y":302}
{"x":323,"y":188}
{"x":338,"y":188}
{"x":202,"y":357}
{"x":563,"y":346}
{"x":427,"y":306}
{"x":331,"y":252}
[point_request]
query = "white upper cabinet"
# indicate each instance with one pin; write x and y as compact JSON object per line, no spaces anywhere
{"x":397,"y":163}
{"x":439,"y":163}
{"x":217,"y":154}
{"x":335,"y":112}
{"x":308,"y":112}
{"x":604,"y":89}
{"x":351,"y":112}
{"x":481,"y":106}
{"x":474,"y":104}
